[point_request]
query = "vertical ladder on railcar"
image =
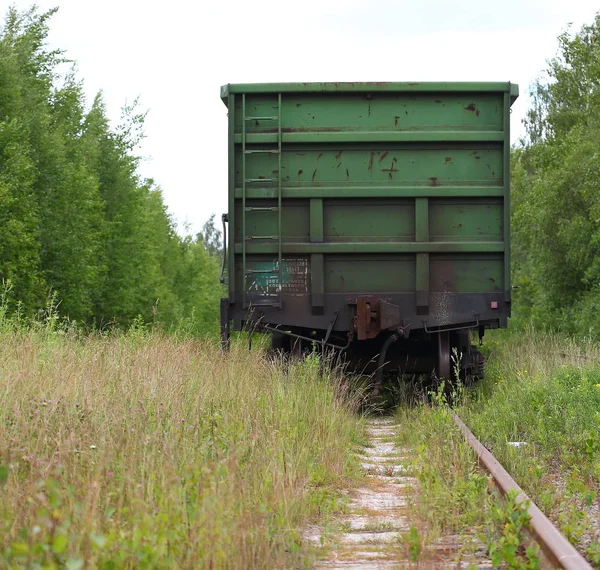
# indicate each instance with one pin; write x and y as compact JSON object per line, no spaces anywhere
{"x":270,"y":300}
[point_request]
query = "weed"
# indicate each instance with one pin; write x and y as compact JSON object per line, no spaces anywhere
{"x":453,"y":496}
{"x":513,"y":519}
{"x":592,"y":551}
{"x":378,"y":526}
{"x":412,"y":541}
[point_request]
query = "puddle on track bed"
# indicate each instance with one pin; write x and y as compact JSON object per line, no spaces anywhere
{"x":378,"y":514}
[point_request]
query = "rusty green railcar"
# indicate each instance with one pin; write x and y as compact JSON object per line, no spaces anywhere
{"x":372,"y":217}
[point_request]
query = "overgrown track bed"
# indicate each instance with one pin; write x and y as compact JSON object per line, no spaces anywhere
{"x":367,"y":534}
{"x":378,"y":529}
{"x":557,"y":549}
{"x":382,"y":526}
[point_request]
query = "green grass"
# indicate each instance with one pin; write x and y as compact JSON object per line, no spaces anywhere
{"x":451,"y":489}
{"x":454,"y":497}
{"x":145,"y":451}
{"x":540,"y":389}
{"x":544,"y":389}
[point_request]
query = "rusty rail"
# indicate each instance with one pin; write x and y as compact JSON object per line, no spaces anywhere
{"x":560,"y":551}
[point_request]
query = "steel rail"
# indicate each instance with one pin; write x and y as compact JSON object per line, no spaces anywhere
{"x":553,"y":543}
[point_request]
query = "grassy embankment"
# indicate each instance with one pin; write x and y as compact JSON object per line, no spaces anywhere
{"x":142,"y":451}
{"x":542,"y":390}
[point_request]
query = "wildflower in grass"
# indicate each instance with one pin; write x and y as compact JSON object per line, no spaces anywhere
{"x":110,"y":474}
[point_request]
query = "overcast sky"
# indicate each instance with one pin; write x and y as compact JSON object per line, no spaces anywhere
{"x":175,"y":56}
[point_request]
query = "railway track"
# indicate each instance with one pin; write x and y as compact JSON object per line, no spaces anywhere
{"x":558,"y":551}
{"x":376,"y":531}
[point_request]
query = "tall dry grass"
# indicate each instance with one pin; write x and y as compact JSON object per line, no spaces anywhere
{"x":142,"y":451}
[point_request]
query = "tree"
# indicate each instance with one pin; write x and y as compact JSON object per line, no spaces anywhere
{"x":71,"y":209}
{"x":211,"y":238}
{"x":25,"y":79}
{"x":556,"y":190}
{"x":77,"y":219}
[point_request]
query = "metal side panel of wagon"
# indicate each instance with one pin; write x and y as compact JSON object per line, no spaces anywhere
{"x":364,"y":214}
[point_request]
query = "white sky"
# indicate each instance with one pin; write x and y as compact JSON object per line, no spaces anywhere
{"x":175,"y":56}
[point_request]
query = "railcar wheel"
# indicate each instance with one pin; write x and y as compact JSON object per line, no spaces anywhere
{"x":443,"y":361}
{"x":478,"y":364}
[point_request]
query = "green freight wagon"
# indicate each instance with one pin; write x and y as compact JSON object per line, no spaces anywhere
{"x":370,"y":217}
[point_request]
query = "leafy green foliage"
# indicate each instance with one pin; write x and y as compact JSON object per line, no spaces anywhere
{"x":593,"y":553}
{"x":412,"y":541}
{"x":211,"y":237}
{"x":556,"y":192}
{"x":507,"y":549}
{"x":77,"y":220}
